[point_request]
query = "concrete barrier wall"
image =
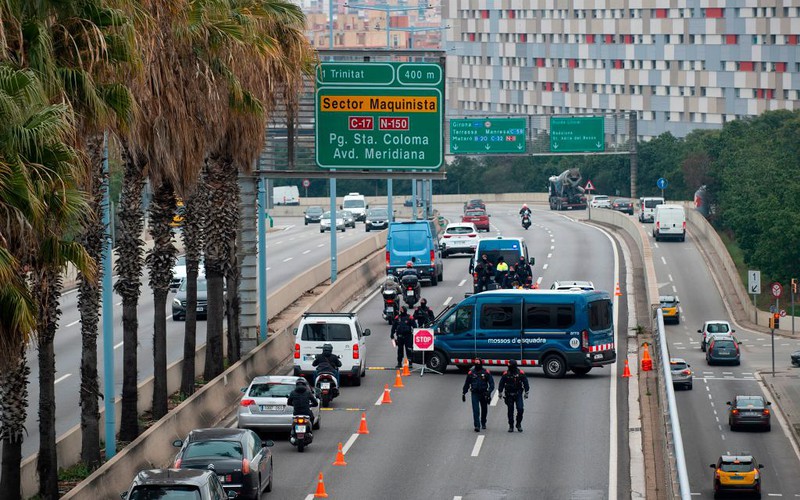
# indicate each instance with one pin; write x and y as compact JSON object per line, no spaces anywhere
{"x":206,"y":407}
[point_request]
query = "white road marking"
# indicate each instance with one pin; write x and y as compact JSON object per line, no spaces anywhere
{"x":447,"y":301}
{"x":544,"y":267}
{"x":674,"y":289}
{"x":456,"y":498}
{"x":774,"y":494}
{"x":477,"y":448}
{"x":552,"y":240}
{"x":670,"y":277}
{"x":118,"y":303}
{"x":549,"y":255}
{"x":321,"y":245}
{"x":539,"y":280}
{"x":118,"y":345}
{"x":278,"y":242}
{"x":552,"y":248}
{"x":655,"y":244}
{"x":462,"y":282}
{"x":349,"y":443}
{"x":63,"y":377}
{"x":663,"y":260}
{"x":287,"y":259}
{"x":267,"y":269}
{"x":288,"y":227}
{"x":380,"y":398}
{"x":74,"y":323}
{"x":169,"y":317}
{"x":310,"y":496}
{"x":306,"y":251}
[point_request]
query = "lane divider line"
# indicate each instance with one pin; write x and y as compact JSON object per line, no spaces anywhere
{"x":63,"y":377}
{"x":349,"y":443}
{"x":462,"y":282}
{"x":477,"y":448}
{"x":380,"y":398}
{"x":495,"y":398}
{"x":74,"y":323}
{"x":287,"y":259}
{"x":306,"y":252}
{"x":446,"y":302}
{"x":118,"y":345}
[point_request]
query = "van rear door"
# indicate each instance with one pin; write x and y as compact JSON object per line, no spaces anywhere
{"x":408,"y":242}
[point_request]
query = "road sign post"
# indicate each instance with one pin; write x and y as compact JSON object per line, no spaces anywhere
{"x":662,"y":184}
{"x":488,"y":136}
{"x":577,"y":134}
{"x":379,"y":115}
{"x":754,"y":287}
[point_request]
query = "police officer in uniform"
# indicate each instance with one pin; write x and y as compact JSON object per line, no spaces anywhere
{"x":403,"y":334}
{"x":513,"y":384}
{"x":423,"y":314}
{"x":481,"y":383}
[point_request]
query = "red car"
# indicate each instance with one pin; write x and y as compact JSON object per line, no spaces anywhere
{"x":478,"y":217}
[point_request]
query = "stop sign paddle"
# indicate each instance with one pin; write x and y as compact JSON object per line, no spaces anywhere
{"x":423,"y":339}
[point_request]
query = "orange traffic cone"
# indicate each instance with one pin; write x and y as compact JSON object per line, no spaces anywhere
{"x":320,"y":493}
{"x":647,"y":362}
{"x":398,"y":381}
{"x":362,"y":429}
{"x":618,"y":292}
{"x":406,"y":372}
{"x":626,"y":372}
{"x":339,"y":457}
{"x":387,"y":400}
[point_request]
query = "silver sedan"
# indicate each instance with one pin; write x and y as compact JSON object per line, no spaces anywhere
{"x":263,"y":405}
{"x":681,"y":373}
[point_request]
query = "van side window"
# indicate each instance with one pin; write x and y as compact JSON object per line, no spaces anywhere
{"x":600,"y":315}
{"x":500,"y":317}
{"x":459,"y":321}
{"x":549,"y":316}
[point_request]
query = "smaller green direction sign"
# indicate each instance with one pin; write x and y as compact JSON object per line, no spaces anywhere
{"x":576,"y":134}
{"x":487,"y":136}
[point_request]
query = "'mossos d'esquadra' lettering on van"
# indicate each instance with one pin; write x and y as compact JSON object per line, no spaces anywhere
{"x":517,"y":341}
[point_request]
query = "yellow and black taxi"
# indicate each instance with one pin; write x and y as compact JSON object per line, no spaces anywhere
{"x":669,"y":307}
{"x":737,"y":473}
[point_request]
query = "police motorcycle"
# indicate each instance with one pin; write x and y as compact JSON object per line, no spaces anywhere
{"x":391,"y":302}
{"x":526,"y":221}
{"x":326,"y":387}
{"x":300,"y":435}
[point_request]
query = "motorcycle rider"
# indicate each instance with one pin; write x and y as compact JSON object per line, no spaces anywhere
{"x":409,"y":270}
{"x":302,"y":399}
{"x":391,"y":285}
{"x":327,"y":362}
{"x":423,"y":315}
{"x":403,"y":334}
{"x":525,"y":210}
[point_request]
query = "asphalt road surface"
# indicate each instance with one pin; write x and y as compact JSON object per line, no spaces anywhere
{"x":289,"y":252}
{"x":423,"y":444}
{"x":681,"y":271}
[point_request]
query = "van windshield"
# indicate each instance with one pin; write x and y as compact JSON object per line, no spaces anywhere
{"x":354,"y":204}
{"x":652,"y":203}
{"x":326,"y":332}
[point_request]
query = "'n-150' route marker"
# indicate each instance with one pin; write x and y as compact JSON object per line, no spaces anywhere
{"x":379,"y":115}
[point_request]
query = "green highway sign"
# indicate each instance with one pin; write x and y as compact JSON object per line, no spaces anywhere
{"x":379,"y":115}
{"x":487,"y":135}
{"x":577,"y":134}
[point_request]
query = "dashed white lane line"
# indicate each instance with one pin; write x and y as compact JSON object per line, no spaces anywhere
{"x":549,"y":255}
{"x":552,"y":247}
{"x":380,"y":398}
{"x":674,"y":289}
{"x":287,"y":259}
{"x":118,"y":345}
{"x":446,"y":302}
{"x":118,"y":303}
{"x":278,"y":242}
{"x":669,"y":276}
{"x":310,"y":496}
{"x":349,"y":443}
{"x":495,"y":398}
{"x":306,"y":251}
{"x":663,"y":260}
{"x":477,"y":448}
{"x":544,"y":267}
{"x":456,"y":498}
{"x":321,"y":245}
{"x":462,"y":282}
{"x":62,"y":377}
{"x":539,"y":280}
{"x":169,"y":317}
{"x":74,"y":323}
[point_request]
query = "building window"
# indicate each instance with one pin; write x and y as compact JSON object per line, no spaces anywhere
{"x":792,"y":39}
{"x":744,"y":66}
{"x":713,"y":13}
{"x":609,"y":39}
{"x":731,"y":39}
{"x":780,"y":67}
{"x":661,"y":13}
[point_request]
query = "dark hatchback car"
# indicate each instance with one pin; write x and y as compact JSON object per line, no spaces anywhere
{"x":747,"y":411}
{"x":723,"y":350}
{"x":313,"y":214}
{"x":622,"y":205}
{"x":242,"y":461}
{"x":795,"y":358}
{"x":176,"y":484}
{"x":476,"y":204}
{"x":377,"y":218}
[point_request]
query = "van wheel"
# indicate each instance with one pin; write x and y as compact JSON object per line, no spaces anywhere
{"x":441,"y":275}
{"x":356,"y":381}
{"x":581,"y":371}
{"x":434,"y":279}
{"x":554,"y":366}
{"x":437,"y":361}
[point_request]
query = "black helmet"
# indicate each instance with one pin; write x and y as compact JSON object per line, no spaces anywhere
{"x":513,"y":364}
{"x":403,"y":309}
{"x":478,"y":363}
{"x":423,"y":302}
{"x":327,"y":349}
{"x":301,"y":381}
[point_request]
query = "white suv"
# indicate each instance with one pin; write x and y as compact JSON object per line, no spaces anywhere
{"x":343,"y":332}
{"x":600,"y":201}
{"x":459,"y":237}
{"x":713,"y":328}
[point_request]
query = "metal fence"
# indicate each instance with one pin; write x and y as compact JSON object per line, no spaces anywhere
{"x":677,"y":478}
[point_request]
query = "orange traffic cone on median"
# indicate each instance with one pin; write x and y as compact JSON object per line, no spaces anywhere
{"x":387,"y":400}
{"x":362,"y":429}
{"x":647,"y":362}
{"x":339,"y":457}
{"x":406,"y":371}
{"x":618,"y":292}
{"x":626,"y":372}
{"x":320,"y":493}
{"x":398,"y":381}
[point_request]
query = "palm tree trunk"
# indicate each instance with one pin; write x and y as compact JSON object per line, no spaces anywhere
{"x":220,"y":230}
{"x":92,"y":239}
{"x":13,"y":403}
{"x":161,"y":259}
{"x":233,"y":302}
{"x":128,"y":285}
{"x":193,"y":244}
{"x":47,"y":289}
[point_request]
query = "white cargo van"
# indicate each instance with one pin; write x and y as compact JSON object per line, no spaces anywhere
{"x":669,"y":222}
{"x":647,"y":207}
{"x":285,"y":195}
{"x":357,"y":205}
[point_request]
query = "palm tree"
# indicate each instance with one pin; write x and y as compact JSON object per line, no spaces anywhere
{"x":192,"y":234}
{"x":41,"y":205}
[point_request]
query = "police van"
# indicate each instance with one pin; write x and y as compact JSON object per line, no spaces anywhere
{"x":511,"y":249}
{"x":556,"y":330}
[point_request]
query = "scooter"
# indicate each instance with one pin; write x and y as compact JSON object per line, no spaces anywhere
{"x":411,"y":289}
{"x":390,"y":307}
{"x":526,"y":221}
{"x":326,"y":388}
{"x":301,"y":432}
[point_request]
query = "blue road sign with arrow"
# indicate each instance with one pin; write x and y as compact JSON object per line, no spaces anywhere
{"x":662,"y":183}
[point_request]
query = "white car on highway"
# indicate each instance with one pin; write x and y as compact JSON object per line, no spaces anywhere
{"x":325,"y":222}
{"x":459,"y":237}
{"x":343,"y":332}
{"x":600,"y":201}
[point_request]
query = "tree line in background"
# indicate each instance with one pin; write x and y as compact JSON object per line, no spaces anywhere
{"x":751,"y":168}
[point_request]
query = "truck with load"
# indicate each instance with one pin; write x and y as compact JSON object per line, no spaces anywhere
{"x":565,"y":191}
